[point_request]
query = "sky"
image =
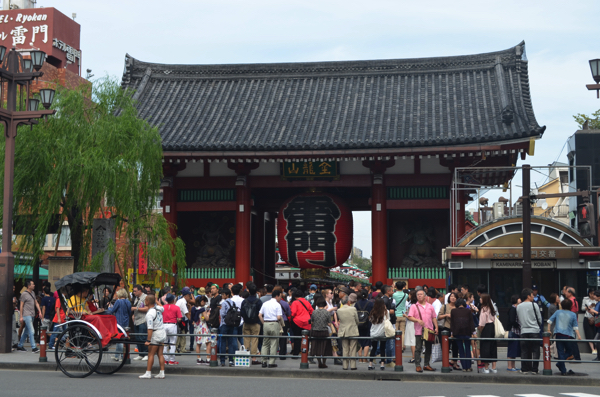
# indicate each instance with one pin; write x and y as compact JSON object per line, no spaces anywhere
{"x":559,"y":37}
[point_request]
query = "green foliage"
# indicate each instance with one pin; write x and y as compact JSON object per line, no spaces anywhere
{"x":362,"y":263}
{"x":594,"y":121}
{"x":93,"y":155}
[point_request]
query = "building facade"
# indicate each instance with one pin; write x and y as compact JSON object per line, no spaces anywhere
{"x":384,"y":135}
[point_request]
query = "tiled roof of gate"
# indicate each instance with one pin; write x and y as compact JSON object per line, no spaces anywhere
{"x":337,"y":105}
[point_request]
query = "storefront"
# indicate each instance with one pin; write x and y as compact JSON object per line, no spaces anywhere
{"x":492,"y":254}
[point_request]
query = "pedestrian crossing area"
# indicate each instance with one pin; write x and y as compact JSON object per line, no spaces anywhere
{"x":532,"y":395}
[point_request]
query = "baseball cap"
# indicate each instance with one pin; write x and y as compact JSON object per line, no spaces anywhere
{"x":185,"y":291}
{"x":534,"y":287}
{"x":313,"y":286}
{"x":170,"y":298}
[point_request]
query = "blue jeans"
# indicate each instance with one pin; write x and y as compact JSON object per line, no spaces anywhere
{"x":564,"y":349}
{"x":28,"y":320}
{"x":390,"y":349}
{"x":230,"y":342}
{"x":141,"y":329}
{"x":58,"y":329}
{"x":240,"y":332}
{"x":464,"y":350}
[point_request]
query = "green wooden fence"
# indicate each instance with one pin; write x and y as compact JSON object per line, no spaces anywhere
{"x":423,"y":273}
{"x":210,"y":273}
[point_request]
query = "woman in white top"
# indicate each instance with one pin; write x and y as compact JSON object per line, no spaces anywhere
{"x":409,"y":332}
{"x":156,"y":337}
{"x":377,"y":318}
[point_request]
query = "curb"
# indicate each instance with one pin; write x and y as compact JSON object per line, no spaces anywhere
{"x":344,"y":375}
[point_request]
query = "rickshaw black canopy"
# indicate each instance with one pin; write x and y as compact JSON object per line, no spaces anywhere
{"x":89,"y":278}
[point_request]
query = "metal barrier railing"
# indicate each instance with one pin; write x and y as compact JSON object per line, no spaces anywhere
{"x":546,"y":356}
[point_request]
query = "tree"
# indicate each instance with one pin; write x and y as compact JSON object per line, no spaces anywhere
{"x":362,"y":263}
{"x":94,"y":154}
{"x":594,"y":121}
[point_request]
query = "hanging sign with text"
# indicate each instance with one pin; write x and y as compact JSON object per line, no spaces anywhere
{"x":143,"y":259}
{"x":310,"y":170}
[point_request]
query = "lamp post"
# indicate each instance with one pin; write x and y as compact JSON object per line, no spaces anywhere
{"x":16,"y":74}
{"x":595,"y":68}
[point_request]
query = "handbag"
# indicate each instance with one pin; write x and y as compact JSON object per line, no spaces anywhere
{"x":428,"y":334}
{"x":389,"y":329}
{"x":498,"y":328}
{"x":242,"y":357}
{"x":436,"y":351}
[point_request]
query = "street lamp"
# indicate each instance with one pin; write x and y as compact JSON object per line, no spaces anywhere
{"x":595,"y":67}
{"x":16,"y":76}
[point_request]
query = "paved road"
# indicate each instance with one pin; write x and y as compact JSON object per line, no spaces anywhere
{"x":55,"y":384}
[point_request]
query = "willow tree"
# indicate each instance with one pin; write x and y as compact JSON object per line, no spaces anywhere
{"x":95,"y":156}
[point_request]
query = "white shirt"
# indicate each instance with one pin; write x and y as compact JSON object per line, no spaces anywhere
{"x":437,"y":305}
{"x":271,"y":309}
{"x":154,"y":318}
{"x":446,"y":298}
{"x":182,"y":303}
{"x":238,"y":303}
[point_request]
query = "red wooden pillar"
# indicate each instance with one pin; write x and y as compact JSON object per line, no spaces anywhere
{"x":242,"y":230}
{"x":379,"y":232}
{"x":379,"y":235}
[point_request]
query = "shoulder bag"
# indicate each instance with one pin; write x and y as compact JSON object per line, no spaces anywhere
{"x":307,"y":312}
{"x":535,"y":311}
{"x":388,"y":328}
{"x":498,"y":328}
{"x":428,"y":334}
{"x":442,"y":321}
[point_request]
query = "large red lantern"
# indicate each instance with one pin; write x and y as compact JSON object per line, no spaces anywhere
{"x":314,"y":230}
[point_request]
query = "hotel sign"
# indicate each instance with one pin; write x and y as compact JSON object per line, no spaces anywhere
{"x":535,"y":264}
{"x":310,"y":170}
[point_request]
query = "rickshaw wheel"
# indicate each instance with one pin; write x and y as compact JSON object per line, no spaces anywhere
{"x":109,"y":366}
{"x":78,"y":351}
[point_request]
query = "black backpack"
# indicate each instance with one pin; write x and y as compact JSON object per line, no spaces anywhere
{"x":363,"y":316}
{"x":250,"y":312}
{"x":233,"y":317}
{"x":213,"y":319}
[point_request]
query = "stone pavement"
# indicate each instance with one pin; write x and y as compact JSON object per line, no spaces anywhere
{"x":587,"y":374}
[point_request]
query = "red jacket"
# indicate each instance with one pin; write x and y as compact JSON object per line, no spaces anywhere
{"x":301,"y":313}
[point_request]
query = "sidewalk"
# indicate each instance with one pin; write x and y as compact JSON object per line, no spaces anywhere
{"x":586,"y":374}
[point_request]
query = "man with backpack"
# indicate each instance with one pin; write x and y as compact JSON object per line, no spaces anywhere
{"x":249,"y":310}
{"x":230,"y":320}
{"x":400,"y":298}
{"x":363,"y":309}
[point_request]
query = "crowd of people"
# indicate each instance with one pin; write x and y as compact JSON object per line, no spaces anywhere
{"x":334,"y":317}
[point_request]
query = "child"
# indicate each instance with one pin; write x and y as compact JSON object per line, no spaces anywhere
{"x":156,"y":337}
{"x":199,"y":317}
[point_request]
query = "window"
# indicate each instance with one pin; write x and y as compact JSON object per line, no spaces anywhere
{"x":65,"y":237}
{"x":564,"y":177}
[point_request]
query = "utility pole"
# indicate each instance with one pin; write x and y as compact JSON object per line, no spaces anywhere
{"x":526,"y":205}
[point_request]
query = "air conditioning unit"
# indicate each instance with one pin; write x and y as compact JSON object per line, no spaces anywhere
{"x":455,"y":265}
{"x":498,"y":210}
{"x":518,"y":209}
{"x":594,"y":265}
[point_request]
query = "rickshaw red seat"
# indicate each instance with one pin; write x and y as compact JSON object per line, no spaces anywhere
{"x":106,"y":325}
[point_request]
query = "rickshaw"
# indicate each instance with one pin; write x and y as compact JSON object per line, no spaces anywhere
{"x":89,"y":342}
